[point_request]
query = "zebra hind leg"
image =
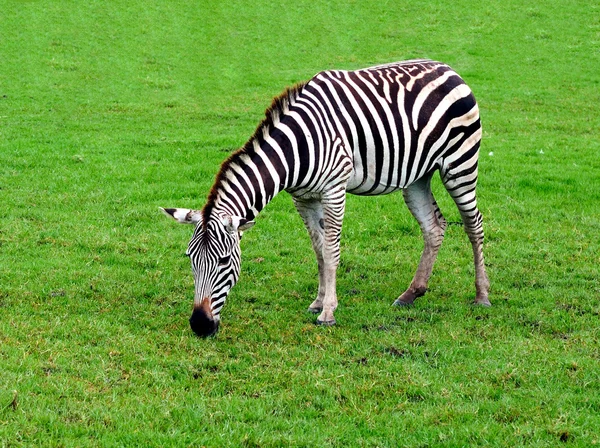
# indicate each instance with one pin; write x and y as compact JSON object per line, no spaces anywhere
{"x":311,"y":212}
{"x":461,"y":187}
{"x":422,"y":205}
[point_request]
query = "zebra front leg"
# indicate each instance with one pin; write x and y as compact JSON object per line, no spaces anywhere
{"x":422,"y":205}
{"x":334,"y":203}
{"x":311,"y":212}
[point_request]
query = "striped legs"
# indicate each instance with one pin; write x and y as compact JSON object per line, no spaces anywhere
{"x":461,"y":187}
{"x":422,"y":205}
{"x":311,"y":212}
{"x":323,"y":219}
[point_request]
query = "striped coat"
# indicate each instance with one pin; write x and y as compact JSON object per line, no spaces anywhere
{"x":367,"y":132}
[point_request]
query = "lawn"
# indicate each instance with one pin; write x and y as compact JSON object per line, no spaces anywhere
{"x":109,"y":111}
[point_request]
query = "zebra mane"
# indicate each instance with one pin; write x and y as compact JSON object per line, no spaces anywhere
{"x":278,"y":107}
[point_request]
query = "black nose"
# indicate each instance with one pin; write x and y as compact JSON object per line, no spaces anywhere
{"x":202,"y":323}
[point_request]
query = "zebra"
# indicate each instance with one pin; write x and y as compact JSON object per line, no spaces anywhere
{"x":367,"y":132}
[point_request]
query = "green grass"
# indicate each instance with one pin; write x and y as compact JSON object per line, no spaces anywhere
{"x":110,"y":110}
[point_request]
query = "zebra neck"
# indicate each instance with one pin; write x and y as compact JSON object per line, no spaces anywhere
{"x":247,"y":182}
{"x":252,"y":176}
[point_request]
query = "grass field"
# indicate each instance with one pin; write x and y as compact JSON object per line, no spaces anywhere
{"x":110,"y":110}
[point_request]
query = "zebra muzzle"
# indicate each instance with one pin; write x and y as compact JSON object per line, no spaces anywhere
{"x":202,"y":320}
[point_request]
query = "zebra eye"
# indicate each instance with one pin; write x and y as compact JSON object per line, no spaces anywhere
{"x":224,"y":260}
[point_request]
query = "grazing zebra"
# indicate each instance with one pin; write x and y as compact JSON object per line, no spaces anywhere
{"x":366,"y":132}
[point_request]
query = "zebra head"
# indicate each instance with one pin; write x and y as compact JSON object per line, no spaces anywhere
{"x":214,"y":252}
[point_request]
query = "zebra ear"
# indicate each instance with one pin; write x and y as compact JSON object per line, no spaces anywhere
{"x":236,"y":224}
{"x":183,"y":215}
{"x":245,"y":224}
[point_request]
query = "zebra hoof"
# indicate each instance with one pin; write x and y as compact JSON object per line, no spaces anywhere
{"x":326,"y":323}
{"x":314,"y":310}
{"x":482,"y":302}
{"x":400,"y":303}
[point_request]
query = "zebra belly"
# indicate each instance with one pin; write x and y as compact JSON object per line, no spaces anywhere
{"x":379,"y":190}
{"x":367,"y":184}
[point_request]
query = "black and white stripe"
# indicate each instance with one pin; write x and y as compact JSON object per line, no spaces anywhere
{"x":366,"y":132}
